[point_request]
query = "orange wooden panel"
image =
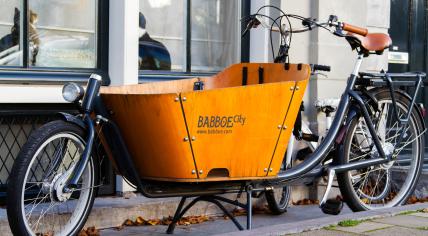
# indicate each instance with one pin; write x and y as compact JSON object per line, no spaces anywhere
{"x":288,"y":122}
{"x":153,"y":128}
{"x":272,"y":72}
{"x":229,"y":77}
{"x":236,"y":128}
{"x":164,"y":87}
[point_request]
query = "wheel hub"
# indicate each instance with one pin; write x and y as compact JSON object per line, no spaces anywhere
{"x":57,"y":188}
{"x":388,"y":149}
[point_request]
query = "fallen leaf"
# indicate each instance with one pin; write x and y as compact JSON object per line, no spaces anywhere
{"x":128,"y":222}
{"x":83,"y":233}
{"x":153,"y":222}
{"x":139,"y":221}
{"x":92,"y":231}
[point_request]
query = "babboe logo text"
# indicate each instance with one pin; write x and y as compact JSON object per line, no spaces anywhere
{"x":220,"y":121}
{"x":219,"y":124}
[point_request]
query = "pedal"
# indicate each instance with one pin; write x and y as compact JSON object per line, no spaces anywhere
{"x":330,"y":206}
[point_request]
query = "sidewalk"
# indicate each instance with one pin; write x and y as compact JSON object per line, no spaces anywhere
{"x":305,"y":220}
{"x":406,"y":223}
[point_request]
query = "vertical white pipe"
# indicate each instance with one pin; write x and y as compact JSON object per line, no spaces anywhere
{"x":123,"y":52}
{"x":123,"y":42}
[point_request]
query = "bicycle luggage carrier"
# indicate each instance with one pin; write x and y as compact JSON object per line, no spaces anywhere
{"x":408,"y":79}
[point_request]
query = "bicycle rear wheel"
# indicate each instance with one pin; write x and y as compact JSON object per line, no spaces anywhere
{"x":390,"y":184}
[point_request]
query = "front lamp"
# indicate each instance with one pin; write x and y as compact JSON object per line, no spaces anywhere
{"x":72,"y":92}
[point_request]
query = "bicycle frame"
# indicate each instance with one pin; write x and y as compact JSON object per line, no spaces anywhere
{"x":350,"y":94}
{"x":308,"y":168}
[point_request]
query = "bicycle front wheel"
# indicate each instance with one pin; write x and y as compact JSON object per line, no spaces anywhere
{"x":390,"y":184}
{"x":37,"y":204}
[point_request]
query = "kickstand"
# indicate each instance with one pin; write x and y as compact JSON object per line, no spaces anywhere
{"x":217,"y":200}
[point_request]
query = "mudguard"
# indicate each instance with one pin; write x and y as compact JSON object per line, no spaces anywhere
{"x":373,"y":92}
{"x":72,"y":119}
{"x":369,"y":98}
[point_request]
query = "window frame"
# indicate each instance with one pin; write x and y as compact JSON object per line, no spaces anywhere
{"x":153,"y":75}
{"x":56,"y":75}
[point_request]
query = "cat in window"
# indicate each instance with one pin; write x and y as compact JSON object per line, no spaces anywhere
{"x":33,"y":37}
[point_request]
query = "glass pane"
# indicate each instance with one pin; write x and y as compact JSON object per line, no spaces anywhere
{"x":10,"y":33}
{"x":62,"y":33}
{"x":215,"y":34}
{"x":162,"y":32}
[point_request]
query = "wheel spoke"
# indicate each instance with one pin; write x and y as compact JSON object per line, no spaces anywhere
{"x":46,"y":209}
{"x":384,"y":185}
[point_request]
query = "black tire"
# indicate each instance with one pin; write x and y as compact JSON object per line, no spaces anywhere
{"x":278,"y":206}
{"x":360,"y":200}
{"x":17,"y":195}
{"x":279,"y":198}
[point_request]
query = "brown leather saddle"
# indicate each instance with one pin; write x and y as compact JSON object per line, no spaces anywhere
{"x":369,"y":44}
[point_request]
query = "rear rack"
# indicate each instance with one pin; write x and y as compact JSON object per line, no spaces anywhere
{"x":392,"y":81}
{"x":408,"y":79}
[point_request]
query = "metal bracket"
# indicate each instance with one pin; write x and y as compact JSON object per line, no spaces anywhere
{"x":217,"y":200}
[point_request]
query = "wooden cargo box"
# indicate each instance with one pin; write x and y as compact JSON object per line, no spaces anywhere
{"x":236,"y":127}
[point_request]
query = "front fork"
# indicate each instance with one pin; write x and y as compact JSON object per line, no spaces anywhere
{"x":92,"y":92}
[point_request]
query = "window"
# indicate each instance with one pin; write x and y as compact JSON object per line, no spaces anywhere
{"x":162,"y":35}
{"x":215,"y":34}
{"x":189,"y":36}
{"x":59,"y":34}
{"x":10,"y":33}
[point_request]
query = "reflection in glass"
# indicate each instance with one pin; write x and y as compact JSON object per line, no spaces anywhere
{"x":153,"y":55}
{"x":62,"y":33}
{"x":162,"y":30}
{"x":215,"y":34}
{"x":10,"y":33}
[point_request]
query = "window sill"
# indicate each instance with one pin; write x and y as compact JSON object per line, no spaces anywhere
{"x":51,"y":77}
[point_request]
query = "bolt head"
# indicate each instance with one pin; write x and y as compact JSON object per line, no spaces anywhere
{"x":193,"y":172}
{"x":200,"y":172}
{"x":193,"y":138}
{"x":265,"y":169}
{"x":184,"y":99}
{"x":177,"y":99}
{"x":186,"y":139}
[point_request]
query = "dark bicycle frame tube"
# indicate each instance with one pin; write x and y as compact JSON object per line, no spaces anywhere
{"x":350,"y":96}
{"x":323,"y":149}
{"x":92,"y":92}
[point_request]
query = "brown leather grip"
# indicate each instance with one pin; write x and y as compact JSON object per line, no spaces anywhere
{"x":355,"y":29}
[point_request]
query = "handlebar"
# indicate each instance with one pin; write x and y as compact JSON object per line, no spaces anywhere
{"x":355,"y":29}
{"x":316,"y":67}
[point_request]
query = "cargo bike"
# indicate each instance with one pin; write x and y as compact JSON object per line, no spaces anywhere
{"x":199,"y":138}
